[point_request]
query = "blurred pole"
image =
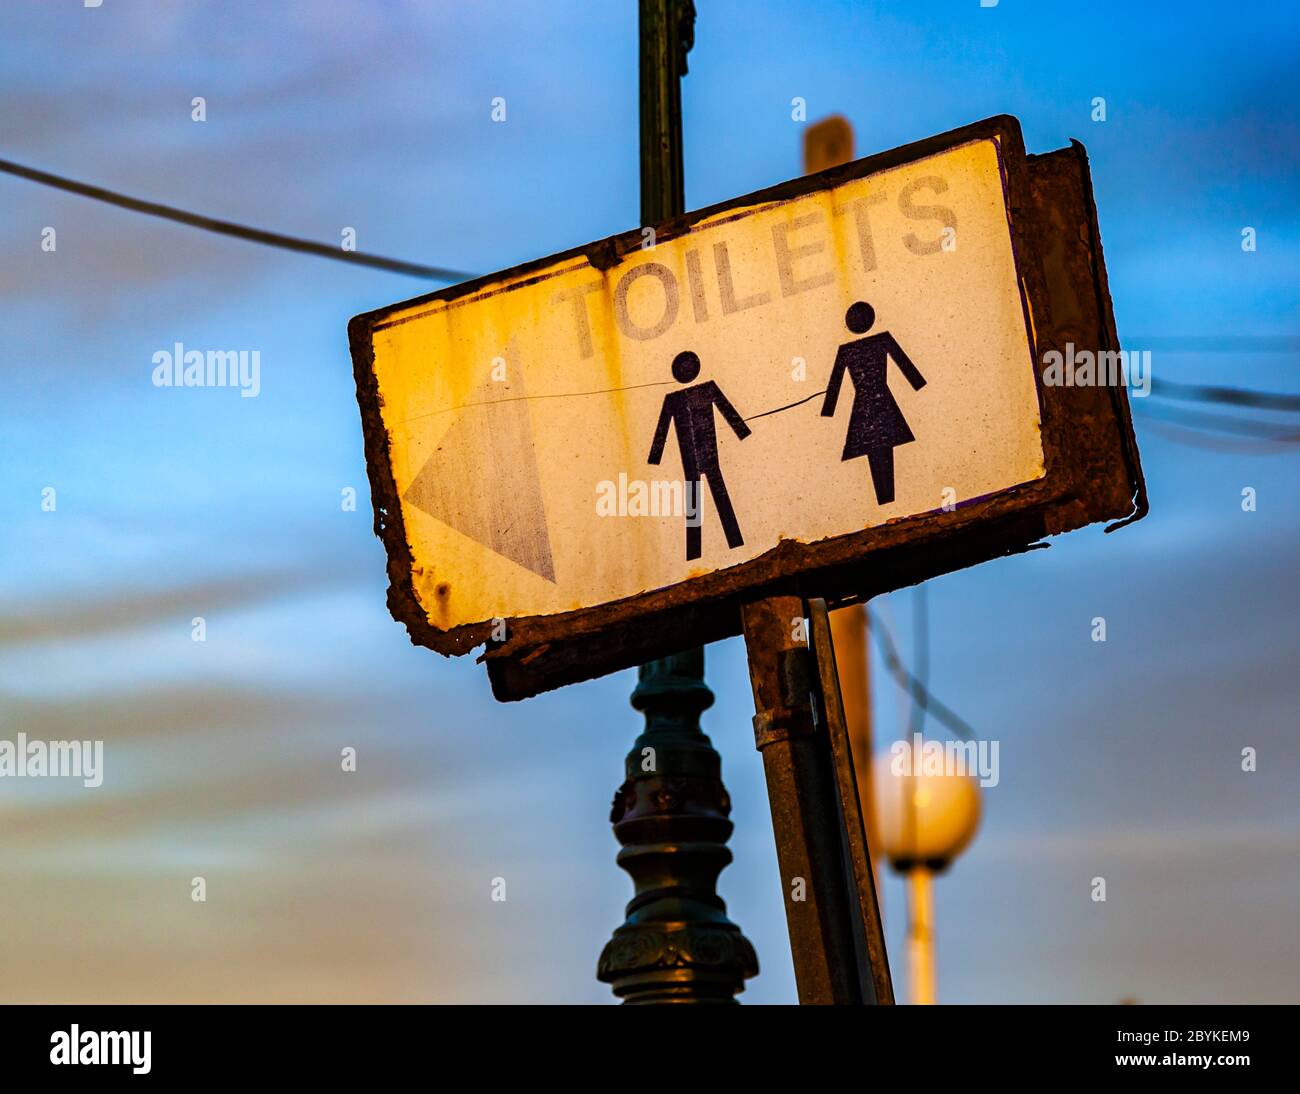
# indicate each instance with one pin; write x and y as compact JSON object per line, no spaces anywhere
{"x":920,"y":936}
{"x":926,"y":820}
{"x":671,"y":814}
{"x":828,"y":143}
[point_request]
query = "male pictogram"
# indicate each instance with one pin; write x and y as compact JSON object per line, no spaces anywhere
{"x":690,"y":409}
{"x":876,"y":424}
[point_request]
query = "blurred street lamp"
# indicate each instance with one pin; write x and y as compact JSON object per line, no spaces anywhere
{"x":924,"y":822}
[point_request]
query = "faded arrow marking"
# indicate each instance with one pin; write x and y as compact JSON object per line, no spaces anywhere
{"x":482,"y":478}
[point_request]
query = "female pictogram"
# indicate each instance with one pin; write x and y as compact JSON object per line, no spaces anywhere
{"x":876,"y":424}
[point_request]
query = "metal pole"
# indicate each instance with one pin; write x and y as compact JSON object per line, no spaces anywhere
{"x":671,"y":813}
{"x":850,"y":629}
{"x":667,"y":29}
{"x":804,"y":798}
{"x":863,"y":876}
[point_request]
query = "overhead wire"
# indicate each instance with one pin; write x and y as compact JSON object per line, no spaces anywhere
{"x":230,"y":228}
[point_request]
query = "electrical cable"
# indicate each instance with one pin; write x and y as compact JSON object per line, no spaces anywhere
{"x":230,"y":228}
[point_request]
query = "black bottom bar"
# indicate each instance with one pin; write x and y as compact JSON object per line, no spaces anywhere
{"x":337,"y":1044}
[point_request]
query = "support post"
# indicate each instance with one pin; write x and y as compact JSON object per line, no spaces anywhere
{"x":671,"y":813}
{"x":851,"y":628}
{"x":861,"y":871}
{"x":804,"y":798}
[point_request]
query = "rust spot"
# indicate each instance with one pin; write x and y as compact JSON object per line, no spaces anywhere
{"x":444,"y":590}
{"x":604,"y":255}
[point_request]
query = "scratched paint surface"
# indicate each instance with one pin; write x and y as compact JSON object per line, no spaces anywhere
{"x":521,"y":417}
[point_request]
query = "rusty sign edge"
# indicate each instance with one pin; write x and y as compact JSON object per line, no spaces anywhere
{"x":532,"y":635}
{"x":389,"y":525}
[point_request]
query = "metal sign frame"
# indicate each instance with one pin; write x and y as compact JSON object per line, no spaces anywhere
{"x":1089,"y":451}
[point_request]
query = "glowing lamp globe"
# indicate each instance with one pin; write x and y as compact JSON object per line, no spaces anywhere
{"x":923,"y":820}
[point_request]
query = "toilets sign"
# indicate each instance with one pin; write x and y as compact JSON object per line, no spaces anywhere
{"x":701,"y":408}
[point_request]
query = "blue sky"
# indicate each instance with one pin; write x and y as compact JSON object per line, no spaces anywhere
{"x":1118,"y":759}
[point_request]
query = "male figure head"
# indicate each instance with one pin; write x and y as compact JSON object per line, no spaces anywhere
{"x":686,"y":366}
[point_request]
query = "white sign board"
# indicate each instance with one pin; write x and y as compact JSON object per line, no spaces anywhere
{"x":585,"y":430}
